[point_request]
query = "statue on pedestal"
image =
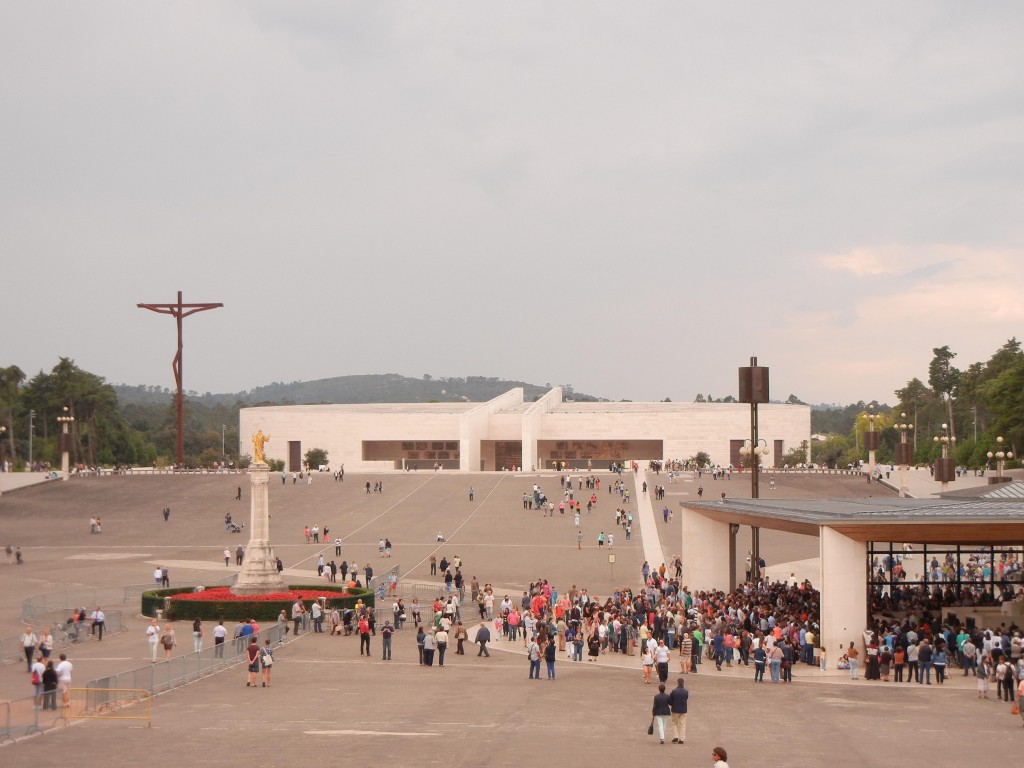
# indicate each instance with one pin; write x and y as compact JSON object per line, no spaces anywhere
{"x":258,"y":441}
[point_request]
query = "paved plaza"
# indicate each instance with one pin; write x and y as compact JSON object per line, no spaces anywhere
{"x":327,"y":701}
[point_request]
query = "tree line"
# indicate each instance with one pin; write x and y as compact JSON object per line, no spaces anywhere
{"x":103,"y":432}
{"x":977,"y":403}
{"x":972,"y":406}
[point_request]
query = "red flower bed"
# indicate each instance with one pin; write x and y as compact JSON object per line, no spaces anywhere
{"x":224,"y":594}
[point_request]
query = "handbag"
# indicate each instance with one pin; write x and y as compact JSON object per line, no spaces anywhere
{"x":650,"y":728}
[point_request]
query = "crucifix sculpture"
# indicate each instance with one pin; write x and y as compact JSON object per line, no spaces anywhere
{"x":179,"y":311}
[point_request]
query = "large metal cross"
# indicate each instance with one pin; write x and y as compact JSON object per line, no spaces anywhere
{"x":179,"y":311}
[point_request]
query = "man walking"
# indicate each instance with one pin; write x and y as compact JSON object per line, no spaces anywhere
{"x":483,"y":636}
{"x":677,"y":702}
{"x":239,"y":554}
{"x":533,"y":651}
{"x":29,"y":643}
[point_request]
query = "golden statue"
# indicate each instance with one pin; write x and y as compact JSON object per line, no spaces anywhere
{"x":258,"y":441}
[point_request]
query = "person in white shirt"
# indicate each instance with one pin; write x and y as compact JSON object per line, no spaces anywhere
{"x":220,"y":632}
{"x":37,"y":680}
{"x":158,"y":576}
{"x":99,"y":621}
{"x":64,"y":670}
{"x":153,"y":635}
{"x":29,"y":641}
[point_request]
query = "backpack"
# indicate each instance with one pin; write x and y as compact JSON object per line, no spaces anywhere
{"x":35,"y":678}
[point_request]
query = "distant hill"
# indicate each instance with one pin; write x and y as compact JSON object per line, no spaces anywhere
{"x":371,"y":388}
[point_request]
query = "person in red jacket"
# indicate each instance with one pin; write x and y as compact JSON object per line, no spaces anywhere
{"x":364,"y":636}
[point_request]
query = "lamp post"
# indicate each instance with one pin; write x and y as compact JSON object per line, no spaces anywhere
{"x":3,"y":431}
{"x":754,"y":455}
{"x":944,"y":467}
{"x":871,"y":441}
{"x":903,"y":453}
{"x":65,"y":420}
{"x":753,"y":390}
{"x":31,"y":429}
{"x":1000,"y":456}
{"x":222,"y":428}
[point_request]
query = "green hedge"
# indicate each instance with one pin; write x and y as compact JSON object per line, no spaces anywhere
{"x":234,"y":610}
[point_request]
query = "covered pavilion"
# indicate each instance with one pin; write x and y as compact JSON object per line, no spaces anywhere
{"x":847,"y":530}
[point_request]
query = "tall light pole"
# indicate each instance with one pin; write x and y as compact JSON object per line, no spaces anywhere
{"x":65,"y":420}
{"x":871,"y":441}
{"x":222,"y":428}
{"x":904,"y":452}
{"x":1000,"y":456}
{"x":3,"y":431}
{"x":31,"y":429}
{"x":753,"y":390}
{"x":944,"y":472}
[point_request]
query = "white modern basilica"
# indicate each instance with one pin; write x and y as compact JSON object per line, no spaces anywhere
{"x":510,"y":433}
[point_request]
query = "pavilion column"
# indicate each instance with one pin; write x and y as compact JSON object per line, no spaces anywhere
{"x":843,"y":586}
{"x":705,"y":552}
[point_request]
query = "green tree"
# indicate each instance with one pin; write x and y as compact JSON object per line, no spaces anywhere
{"x":11,"y":379}
{"x":914,"y":400}
{"x":316,"y":457}
{"x":99,"y":431}
{"x":944,"y":379}
{"x":1005,"y":397}
{"x":795,"y":456}
{"x":834,"y":451}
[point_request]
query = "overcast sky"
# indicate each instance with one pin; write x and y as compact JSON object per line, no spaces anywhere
{"x":632,"y":198}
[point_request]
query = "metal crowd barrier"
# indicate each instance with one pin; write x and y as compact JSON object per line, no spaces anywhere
{"x":89,"y":598}
{"x":11,"y":648}
{"x":381,"y":583}
{"x":181,"y":670}
{"x":19,"y":717}
{"x":109,"y":704}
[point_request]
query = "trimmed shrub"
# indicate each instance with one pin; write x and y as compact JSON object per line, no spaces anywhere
{"x":244,"y":609}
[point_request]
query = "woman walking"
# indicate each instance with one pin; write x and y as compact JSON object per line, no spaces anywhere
{"x":648,"y":664}
{"x":168,"y":640}
{"x":661,"y":711}
{"x":266,"y":662}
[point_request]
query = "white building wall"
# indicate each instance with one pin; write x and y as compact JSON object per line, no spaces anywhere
{"x":475,"y":427}
{"x":505,"y":426}
{"x":684,"y":428}
{"x":341,"y":432}
{"x":533,"y":421}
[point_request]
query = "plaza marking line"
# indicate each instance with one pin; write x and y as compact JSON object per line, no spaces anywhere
{"x":108,"y":555}
{"x":461,"y":526}
{"x":370,"y":733}
{"x":368,"y":522}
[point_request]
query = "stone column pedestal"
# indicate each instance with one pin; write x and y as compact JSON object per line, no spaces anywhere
{"x":259,"y":574}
